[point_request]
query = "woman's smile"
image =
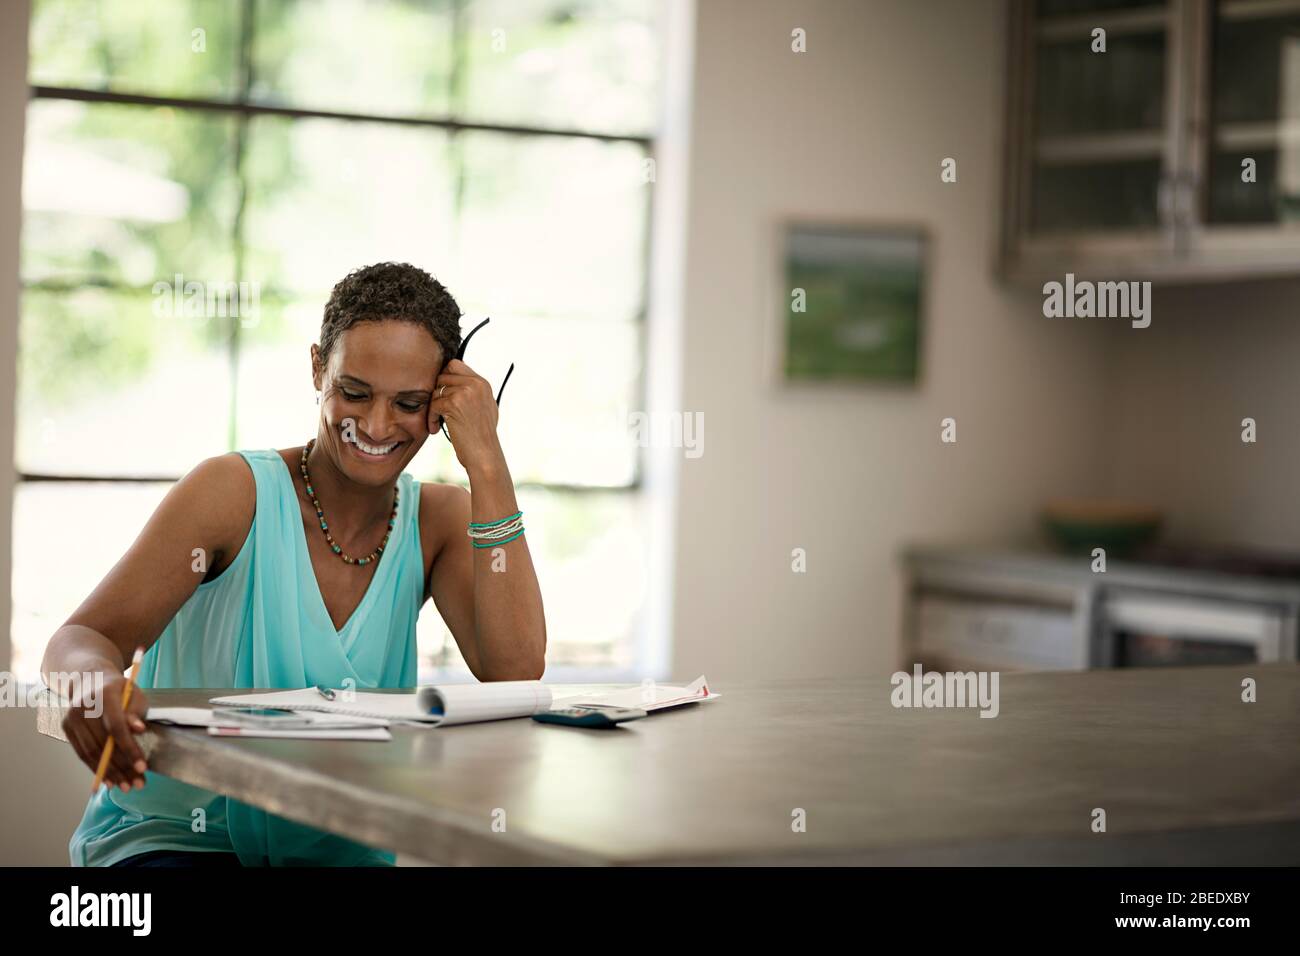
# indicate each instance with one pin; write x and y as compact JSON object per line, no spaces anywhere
{"x":368,"y":451}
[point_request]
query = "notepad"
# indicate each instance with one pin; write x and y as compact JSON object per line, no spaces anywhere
{"x":431,"y":706}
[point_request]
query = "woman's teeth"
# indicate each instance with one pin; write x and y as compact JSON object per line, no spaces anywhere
{"x":376,"y":449}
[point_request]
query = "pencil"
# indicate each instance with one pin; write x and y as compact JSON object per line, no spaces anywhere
{"x":126,"y":699}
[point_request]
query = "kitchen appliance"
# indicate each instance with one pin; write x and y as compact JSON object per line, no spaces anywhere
{"x":1140,"y":628}
{"x":1151,"y":627}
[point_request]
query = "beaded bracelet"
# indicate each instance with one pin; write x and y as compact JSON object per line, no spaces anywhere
{"x":493,"y":544}
{"x":490,"y":534}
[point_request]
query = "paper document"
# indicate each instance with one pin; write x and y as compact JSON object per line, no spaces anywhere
{"x":431,"y":706}
{"x":649,"y":697}
{"x":447,"y":704}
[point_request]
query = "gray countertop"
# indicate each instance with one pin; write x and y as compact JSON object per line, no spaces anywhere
{"x":1186,"y":772}
{"x":1075,"y":571}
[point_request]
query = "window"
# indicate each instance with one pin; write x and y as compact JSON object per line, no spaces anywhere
{"x":502,"y":145}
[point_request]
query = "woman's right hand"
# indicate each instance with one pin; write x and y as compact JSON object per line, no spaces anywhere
{"x":89,"y":723}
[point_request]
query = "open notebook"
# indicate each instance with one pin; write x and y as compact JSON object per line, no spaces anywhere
{"x":429,"y":706}
{"x":445,"y":704}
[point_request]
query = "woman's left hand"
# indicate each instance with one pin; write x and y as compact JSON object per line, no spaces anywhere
{"x":464,"y":398}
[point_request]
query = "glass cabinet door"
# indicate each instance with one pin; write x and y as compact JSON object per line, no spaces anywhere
{"x":1099,"y":142}
{"x":1254,"y":113}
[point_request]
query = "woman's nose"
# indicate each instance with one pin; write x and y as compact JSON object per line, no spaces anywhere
{"x":379,"y":421}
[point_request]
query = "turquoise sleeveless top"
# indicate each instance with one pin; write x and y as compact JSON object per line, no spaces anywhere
{"x":262,"y":623}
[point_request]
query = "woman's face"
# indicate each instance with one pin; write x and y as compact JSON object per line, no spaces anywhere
{"x":375,"y":393}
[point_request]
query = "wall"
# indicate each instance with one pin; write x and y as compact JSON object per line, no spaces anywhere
{"x":856,"y":126}
{"x":1213,"y":356}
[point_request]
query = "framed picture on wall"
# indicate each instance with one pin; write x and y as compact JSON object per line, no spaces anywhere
{"x":852,"y":299}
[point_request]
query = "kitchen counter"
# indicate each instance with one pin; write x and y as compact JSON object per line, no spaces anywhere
{"x":1186,"y":773}
{"x":1055,"y":569}
{"x":1033,"y":608}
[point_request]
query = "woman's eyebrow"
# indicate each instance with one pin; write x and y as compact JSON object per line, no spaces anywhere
{"x":353,"y":380}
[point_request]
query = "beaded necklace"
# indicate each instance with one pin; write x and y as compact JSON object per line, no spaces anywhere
{"x":324,"y":526}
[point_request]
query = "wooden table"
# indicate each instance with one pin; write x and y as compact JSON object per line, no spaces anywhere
{"x":1186,"y":772}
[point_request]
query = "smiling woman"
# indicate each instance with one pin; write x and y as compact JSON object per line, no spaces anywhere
{"x":309,"y":565}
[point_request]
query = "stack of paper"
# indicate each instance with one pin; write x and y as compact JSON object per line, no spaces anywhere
{"x":323,"y":726}
{"x":362,"y":715}
{"x":431,"y":706}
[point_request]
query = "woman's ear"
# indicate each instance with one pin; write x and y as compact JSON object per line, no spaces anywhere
{"x":317,"y":367}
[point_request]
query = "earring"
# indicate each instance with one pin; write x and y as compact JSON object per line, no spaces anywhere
{"x":318,"y":398}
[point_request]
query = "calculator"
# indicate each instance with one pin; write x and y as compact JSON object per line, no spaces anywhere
{"x":589,"y":716}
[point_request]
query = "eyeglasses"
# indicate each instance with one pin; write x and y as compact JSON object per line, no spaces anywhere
{"x":460,"y":354}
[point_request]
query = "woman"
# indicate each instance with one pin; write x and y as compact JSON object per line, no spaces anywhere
{"x":307,"y":566}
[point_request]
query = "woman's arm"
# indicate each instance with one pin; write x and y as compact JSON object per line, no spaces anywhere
{"x":489,"y":597}
{"x":200,"y":524}
{"x":491,"y":602}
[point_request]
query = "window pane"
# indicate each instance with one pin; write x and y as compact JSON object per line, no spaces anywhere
{"x":49,"y":580}
{"x":385,"y":57}
{"x":1257,"y":69}
{"x":572,"y":64}
{"x":275,"y":400}
{"x":329,"y":196}
{"x":127,"y":194}
{"x":1100,"y":195}
{"x":181,"y":48}
{"x":590,"y":551}
{"x":564,"y":414}
{"x":552,"y":225}
{"x":116,"y":383}
{"x":1274,"y":196}
{"x":1084,"y":92}
{"x":1256,"y":116}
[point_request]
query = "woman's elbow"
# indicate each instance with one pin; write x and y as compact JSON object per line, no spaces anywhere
{"x":521,"y":671}
{"x":524,"y":668}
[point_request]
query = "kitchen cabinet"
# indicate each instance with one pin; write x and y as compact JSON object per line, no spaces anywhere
{"x":990,"y":633}
{"x":1174,"y":155}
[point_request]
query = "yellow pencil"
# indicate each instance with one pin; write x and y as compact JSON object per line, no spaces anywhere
{"x":126,"y":699}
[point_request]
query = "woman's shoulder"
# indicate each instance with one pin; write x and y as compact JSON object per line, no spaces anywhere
{"x":220,"y":496}
{"x":220,"y":477}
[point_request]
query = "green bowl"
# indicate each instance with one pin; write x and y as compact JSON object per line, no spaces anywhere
{"x":1119,"y":530}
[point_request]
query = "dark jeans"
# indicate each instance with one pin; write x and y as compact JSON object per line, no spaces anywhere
{"x":180,"y":858}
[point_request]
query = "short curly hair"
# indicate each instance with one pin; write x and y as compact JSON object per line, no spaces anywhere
{"x":391,"y":290}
